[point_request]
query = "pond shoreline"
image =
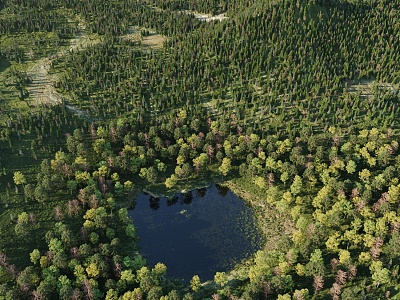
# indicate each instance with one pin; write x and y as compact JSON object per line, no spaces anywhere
{"x":154,"y":195}
{"x":210,"y":230}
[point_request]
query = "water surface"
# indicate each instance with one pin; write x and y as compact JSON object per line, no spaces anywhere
{"x":199,"y":232}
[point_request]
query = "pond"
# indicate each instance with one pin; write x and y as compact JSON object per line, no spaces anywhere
{"x":200,"y":232}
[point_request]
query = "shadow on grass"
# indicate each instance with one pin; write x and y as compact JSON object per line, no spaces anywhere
{"x":4,"y":65}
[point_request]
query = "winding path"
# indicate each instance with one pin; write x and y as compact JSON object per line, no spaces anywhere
{"x":41,"y":89}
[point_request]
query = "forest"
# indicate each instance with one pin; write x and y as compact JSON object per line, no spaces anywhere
{"x":291,"y":104}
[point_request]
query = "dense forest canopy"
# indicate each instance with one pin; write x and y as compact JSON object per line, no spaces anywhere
{"x":294,"y":105}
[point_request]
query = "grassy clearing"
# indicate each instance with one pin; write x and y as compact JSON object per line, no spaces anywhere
{"x":367,"y":88}
{"x":206,"y":17}
{"x":151,"y":39}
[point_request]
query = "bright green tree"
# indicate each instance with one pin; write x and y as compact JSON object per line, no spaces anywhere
{"x":225,"y":166}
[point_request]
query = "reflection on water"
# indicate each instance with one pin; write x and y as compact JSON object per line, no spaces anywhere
{"x":222,"y":190}
{"x":154,"y":203}
{"x":201,"y":192}
{"x":199,"y":232}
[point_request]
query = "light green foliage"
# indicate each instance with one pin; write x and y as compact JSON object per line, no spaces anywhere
{"x":128,"y":276}
{"x":159,"y":270}
{"x":221,"y":278}
{"x":103,"y":171}
{"x":284,"y":177}
{"x":135,"y":294}
{"x":99,"y":146}
{"x":96,"y":217}
{"x":23,"y":218}
{"x":262,"y":155}
{"x":55,"y":246}
{"x":264,"y":263}
{"x":344,"y":256}
{"x":260,"y":182}
{"x":118,"y":188}
{"x":364,"y":174}
{"x":270,"y":164}
{"x":300,"y":269}
{"x":171,"y":181}
{"x":225,"y":166}
{"x":333,"y":242}
{"x":380,"y":275}
{"x":101,"y":132}
{"x":351,"y":167}
{"x":112,"y":295}
{"x":195,"y":283}
{"x":201,"y":161}
{"x":323,"y":197}
{"x":82,"y":176}
{"x":92,"y":270}
{"x":161,"y":167}
{"x":394,"y":193}
{"x":35,"y":256}
{"x":283,"y":146}
{"x":21,"y":228}
{"x":128,"y":186}
{"x":143,"y":172}
{"x":115,"y":177}
{"x":19,"y":178}
{"x":284,"y":297}
{"x":296,"y":186}
{"x":180,"y":160}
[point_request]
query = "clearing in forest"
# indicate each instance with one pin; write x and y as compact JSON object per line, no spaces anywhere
{"x":367,"y":87}
{"x":152,"y":40}
{"x":206,"y":17}
{"x":41,"y":89}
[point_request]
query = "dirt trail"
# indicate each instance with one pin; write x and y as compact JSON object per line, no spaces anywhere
{"x":41,"y":90}
{"x":209,"y":18}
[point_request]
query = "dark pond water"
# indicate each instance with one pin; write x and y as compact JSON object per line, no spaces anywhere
{"x":199,"y":232}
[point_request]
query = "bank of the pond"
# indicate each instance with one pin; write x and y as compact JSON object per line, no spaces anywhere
{"x":276,"y":227}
